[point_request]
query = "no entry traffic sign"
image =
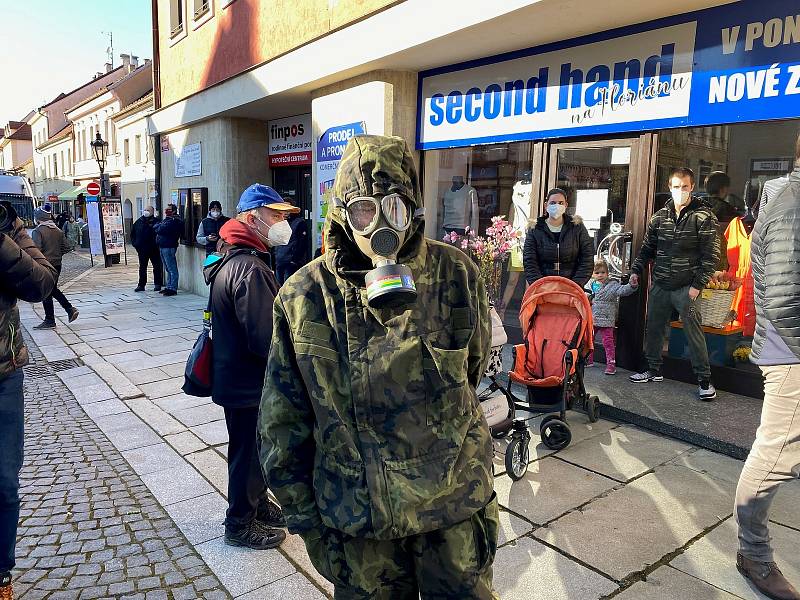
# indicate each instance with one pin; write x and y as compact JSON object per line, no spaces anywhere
{"x":93,"y":189}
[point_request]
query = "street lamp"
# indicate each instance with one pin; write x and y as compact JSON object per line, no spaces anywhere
{"x":100,"y":151}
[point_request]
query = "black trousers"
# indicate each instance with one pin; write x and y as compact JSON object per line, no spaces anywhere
{"x":154,"y":256}
{"x":245,"y":481}
{"x":49,"y":312}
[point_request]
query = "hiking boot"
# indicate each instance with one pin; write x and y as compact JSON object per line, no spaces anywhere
{"x":139,"y":288}
{"x":46,"y":324}
{"x":157,"y":288}
{"x":646,"y":376}
{"x":73,"y":314}
{"x":706,"y":391}
{"x":169,"y":292}
{"x":269,"y":513}
{"x":162,"y":290}
{"x":611,"y":368}
{"x":6,"y":591}
{"x":767,"y":578}
{"x":255,"y":536}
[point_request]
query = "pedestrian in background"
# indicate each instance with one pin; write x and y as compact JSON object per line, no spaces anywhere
{"x":605,"y":305}
{"x":292,"y":256}
{"x":208,"y":230}
{"x":72,"y":229}
{"x":143,"y":238}
{"x":54,"y":245}
{"x":243,"y":290}
{"x":168,"y":234}
{"x":775,"y":455}
{"x":25,"y":275}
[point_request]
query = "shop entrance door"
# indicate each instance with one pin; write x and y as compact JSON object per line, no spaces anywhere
{"x":608,"y":182}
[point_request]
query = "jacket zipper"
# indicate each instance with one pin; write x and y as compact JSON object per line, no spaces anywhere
{"x":12,"y":331}
{"x":558,"y":258}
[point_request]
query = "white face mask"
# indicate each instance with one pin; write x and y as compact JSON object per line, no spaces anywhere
{"x":680,"y":197}
{"x":215,"y":214}
{"x":146,"y":213}
{"x":555,"y":210}
{"x":279,"y":234}
{"x":155,"y":214}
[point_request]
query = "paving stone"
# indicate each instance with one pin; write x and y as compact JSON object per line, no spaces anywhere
{"x":293,"y":587}
{"x":786,"y":506}
{"x":295,"y":549}
{"x":93,"y":393}
{"x":160,"y":389}
{"x":550,"y":488}
{"x":712,"y":464}
{"x":104,"y":408}
{"x":528,"y":570}
{"x":185,"y":442}
{"x":623,"y":453}
{"x":655,"y":515}
{"x":242,"y":570}
{"x":127,"y":431}
{"x":713,"y":558}
{"x":667,"y":583}
{"x":511,"y":528}
{"x":157,"y":418}
{"x":181,"y":401}
{"x":149,"y":459}
{"x":175,"y":485}
{"x":212,"y":433}
{"x":212,"y":466}
{"x":147,"y":376}
{"x":199,"y":415}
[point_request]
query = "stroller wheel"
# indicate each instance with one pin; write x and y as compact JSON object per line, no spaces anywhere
{"x":555,"y":433}
{"x":593,"y":408}
{"x":517,"y":456}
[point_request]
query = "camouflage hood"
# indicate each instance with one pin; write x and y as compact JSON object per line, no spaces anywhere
{"x":371,"y":165}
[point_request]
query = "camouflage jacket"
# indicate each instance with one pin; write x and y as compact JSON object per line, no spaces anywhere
{"x":369,"y":419}
{"x":684,"y":250}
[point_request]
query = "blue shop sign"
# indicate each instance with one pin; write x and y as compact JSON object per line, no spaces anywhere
{"x":732,"y":63}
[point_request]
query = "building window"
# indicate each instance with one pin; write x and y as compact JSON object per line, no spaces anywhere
{"x":137,"y":147}
{"x":126,"y":152}
{"x":55,"y":165}
{"x":69,"y":161}
{"x":201,"y":7}
{"x":106,"y":138}
{"x":176,"y":17}
{"x":139,"y":205}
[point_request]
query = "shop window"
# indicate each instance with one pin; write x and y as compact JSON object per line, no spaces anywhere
{"x":733,"y":165}
{"x":192,"y":208}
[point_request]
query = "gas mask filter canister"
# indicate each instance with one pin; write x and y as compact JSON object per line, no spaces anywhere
{"x":380,"y":225}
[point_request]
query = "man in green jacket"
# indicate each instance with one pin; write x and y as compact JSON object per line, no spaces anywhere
{"x":373,"y":439}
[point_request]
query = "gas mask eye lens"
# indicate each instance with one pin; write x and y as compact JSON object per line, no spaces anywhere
{"x":396,"y":211}
{"x":362,"y":214}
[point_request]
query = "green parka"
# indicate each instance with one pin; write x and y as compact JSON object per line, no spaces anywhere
{"x":369,"y":420}
{"x":26,"y":275}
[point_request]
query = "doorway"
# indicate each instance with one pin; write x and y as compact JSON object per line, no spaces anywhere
{"x":295,"y":183}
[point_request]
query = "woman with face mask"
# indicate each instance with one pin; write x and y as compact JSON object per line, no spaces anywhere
{"x":558,"y":243}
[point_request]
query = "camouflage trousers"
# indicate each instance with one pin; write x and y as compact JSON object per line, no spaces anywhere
{"x":443,"y":564}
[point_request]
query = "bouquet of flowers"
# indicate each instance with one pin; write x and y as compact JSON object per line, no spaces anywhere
{"x":490,"y":252}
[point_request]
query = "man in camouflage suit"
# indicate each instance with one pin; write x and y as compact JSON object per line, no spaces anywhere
{"x":374,"y":442}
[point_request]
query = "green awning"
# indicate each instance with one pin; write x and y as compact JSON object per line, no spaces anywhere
{"x":72,"y":193}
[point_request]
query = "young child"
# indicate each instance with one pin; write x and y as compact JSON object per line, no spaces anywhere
{"x":607,"y":293}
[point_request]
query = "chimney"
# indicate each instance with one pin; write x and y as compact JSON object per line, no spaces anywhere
{"x":108,"y":67}
{"x":126,"y":61}
{"x":146,"y":61}
{"x":98,"y":75}
{"x":134,"y":61}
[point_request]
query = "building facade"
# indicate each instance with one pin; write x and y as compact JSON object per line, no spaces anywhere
{"x":15,"y":145}
{"x":508,"y":99}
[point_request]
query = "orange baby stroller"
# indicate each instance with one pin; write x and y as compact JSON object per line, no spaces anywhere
{"x":556,"y":321}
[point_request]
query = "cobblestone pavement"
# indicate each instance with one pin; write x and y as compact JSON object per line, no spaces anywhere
{"x":89,"y":526}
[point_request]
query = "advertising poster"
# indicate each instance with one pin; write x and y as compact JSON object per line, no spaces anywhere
{"x":290,"y":141}
{"x":93,"y":218}
{"x":188,"y":160}
{"x":737,"y":62}
{"x":113,"y":229}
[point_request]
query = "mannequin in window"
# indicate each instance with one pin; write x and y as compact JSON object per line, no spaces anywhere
{"x":460,"y":207}
{"x":521,"y":207}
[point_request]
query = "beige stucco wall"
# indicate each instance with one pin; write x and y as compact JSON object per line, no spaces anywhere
{"x":234,"y":155}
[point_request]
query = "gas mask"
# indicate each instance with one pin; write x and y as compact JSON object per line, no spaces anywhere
{"x":380,"y":226}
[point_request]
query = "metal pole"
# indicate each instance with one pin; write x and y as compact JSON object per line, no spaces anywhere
{"x":106,"y":258}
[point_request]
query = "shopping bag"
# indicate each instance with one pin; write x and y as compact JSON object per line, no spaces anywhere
{"x":198,"y":373}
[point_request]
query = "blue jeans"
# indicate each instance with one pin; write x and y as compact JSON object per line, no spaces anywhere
{"x":170,"y":266}
{"x":12,"y":422}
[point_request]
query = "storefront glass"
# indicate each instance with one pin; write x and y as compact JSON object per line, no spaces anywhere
{"x":732,"y":164}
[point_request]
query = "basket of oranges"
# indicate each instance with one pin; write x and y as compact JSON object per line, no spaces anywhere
{"x":715,"y":301}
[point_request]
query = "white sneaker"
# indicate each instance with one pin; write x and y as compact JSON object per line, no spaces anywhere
{"x":706,"y":391}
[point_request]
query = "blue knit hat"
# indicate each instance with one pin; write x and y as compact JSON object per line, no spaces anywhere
{"x":262,"y":195}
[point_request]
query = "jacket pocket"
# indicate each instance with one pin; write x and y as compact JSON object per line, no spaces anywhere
{"x":445,"y":373}
{"x":418,"y":499}
{"x":341,"y":493}
{"x":485,"y":527}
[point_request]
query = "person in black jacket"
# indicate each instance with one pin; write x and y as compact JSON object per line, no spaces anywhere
{"x":775,"y":455}
{"x":292,"y":256}
{"x":558,"y":244}
{"x":243,"y":289}
{"x":25,"y":275}
{"x":208,"y":230}
{"x":682,"y":241}
{"x":143,"y":238}
{"x":168,"y":234}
